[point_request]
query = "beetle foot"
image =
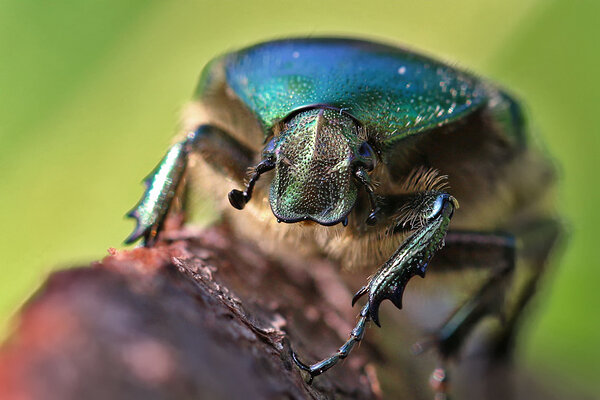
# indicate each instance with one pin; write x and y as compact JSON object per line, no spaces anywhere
{"x":356,"y":336}
{"x":310,"y":374}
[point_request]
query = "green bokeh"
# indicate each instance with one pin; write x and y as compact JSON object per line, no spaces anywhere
{"x":90,"y":94}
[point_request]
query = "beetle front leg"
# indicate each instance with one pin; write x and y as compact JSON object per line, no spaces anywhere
{"x":217,"y":147}
{"x":410,"y":259}
{"x":413,"y":255}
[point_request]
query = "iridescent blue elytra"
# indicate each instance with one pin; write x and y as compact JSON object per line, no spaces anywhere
{"x":371,"y":147}
{"x":388,"y":89}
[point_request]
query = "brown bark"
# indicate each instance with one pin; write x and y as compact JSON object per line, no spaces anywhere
{"x":208,"y":317}
{"x":212,"y":317}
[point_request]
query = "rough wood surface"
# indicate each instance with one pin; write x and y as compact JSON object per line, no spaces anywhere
{"x":207,"y":316}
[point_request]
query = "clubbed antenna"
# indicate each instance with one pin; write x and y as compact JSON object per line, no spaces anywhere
{"x":237,"y":198}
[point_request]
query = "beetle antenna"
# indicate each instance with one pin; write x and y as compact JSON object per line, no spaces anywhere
{"x":364,"y":178}
{"x":237,"y":198}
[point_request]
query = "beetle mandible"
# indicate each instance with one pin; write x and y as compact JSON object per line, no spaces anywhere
{"x":371,"y":146}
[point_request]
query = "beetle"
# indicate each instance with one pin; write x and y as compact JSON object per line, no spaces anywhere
{"x":363,"y":151}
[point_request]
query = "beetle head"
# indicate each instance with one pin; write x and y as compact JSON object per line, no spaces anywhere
{"x":316,"y":156}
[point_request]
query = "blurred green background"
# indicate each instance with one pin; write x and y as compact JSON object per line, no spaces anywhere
{"x":90,"y":94}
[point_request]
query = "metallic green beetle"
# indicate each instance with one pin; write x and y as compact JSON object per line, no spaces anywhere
{"x":371,"y":145}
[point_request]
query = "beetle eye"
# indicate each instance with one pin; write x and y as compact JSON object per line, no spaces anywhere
{"x":365,"y":150}
{"x":367,"y":155}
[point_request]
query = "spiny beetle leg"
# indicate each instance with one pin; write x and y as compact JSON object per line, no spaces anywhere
{"x":389,"y":281}
{"x":356,"y":336}
{"x":217,"y":147}
{"x":161,"y":186}
{"x":413,"y":255}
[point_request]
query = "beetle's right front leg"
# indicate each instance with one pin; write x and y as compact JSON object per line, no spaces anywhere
{"x":432,"y":211}
{"x":217,"y":147}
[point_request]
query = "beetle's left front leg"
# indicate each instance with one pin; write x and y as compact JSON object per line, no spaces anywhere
{"x":216,"y":146}
{"x":433,"y":211}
